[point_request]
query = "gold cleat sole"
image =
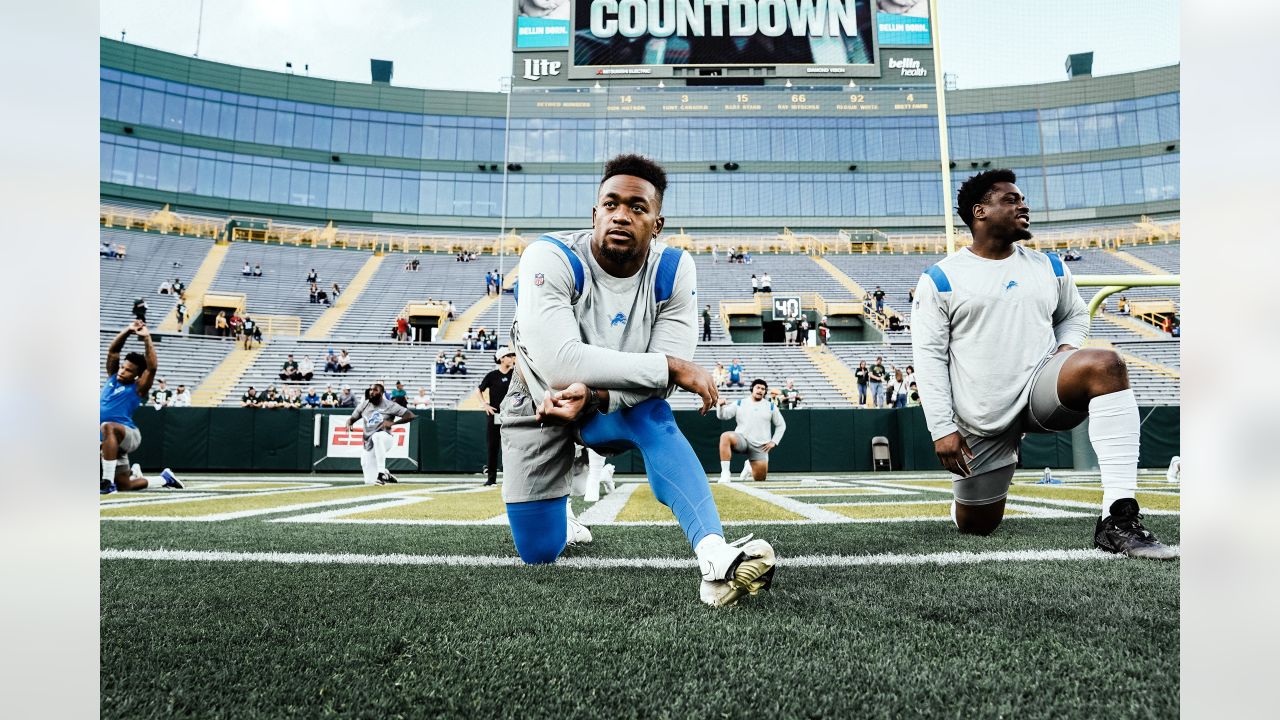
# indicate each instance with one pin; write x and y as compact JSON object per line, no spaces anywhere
{"x":751,"y":575}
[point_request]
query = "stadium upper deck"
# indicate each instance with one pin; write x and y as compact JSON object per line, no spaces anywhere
{"x":204,"y":135}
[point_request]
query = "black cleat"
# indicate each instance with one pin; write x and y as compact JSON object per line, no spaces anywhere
{"x":386,"y":477}
{"x":1122,"y":532}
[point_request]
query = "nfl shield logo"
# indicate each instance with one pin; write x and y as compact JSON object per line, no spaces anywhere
{"x":538,"y":279}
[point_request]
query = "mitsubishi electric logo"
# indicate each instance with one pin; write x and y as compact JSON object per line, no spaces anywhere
{"x":535,"y":69}
{"x":910,"y":66}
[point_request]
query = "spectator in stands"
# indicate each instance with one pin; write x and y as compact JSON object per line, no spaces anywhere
{"x":1176,"y":330}
{"x":331,"y":361}
{"x":346,"y":399}
{"x":468,"y":340}
{"x":328,"y":398}
{"x":718,"y":375}
{"x":257,"y":333}
{"x":272,"y":399}
{"x":312,"y":398}
{"x":292,"y":398}
{"x":706,"y":323}
{"x":120,"y":252}
{"x":161,"y":396}
{"x":181,"y":398}
{"x":220,"y":326}
{"x":336,"y":292}
{"x":246,"y":270}
{"x":755,"y":284}
{"x":878,"y":294}
{"x":766,"y":285}
{"x":235,"y":325}
{"x":257,"y":270}
{"x":306,"y":369}
{"x":165,"y":287}
{"x":802,"y":332}
{"x":402,"y":328}
{"x":863,"y":376}
{"x":312,"y":277}
{"x":344,"y":362}
{"x":913,"y":397}
{"x":890,"y":386}
{"x":249,"y":398}
{"x":824,"y":332}
{"x":1167,"y":324}
{"x":181,"y":312}
{"x":911,"y":297}
{"x":249,"y":331}
{"x":488,"y":283}
{"x":746,"y":258}
{"x":441,"y":363}
{"x":482,"y":339}
{"x":289,"y":370}
{"x":458,"y":366}
{"x":878,"y":376}
{"x":107,"y":250}
{"x":735,"y":373}
{"x":452,"y":310}
{"x":791,"y":396}
{"x":788,"y":330}
{"x":1122,"y":307}
{"x":421,"y":400}
{"x":399,"y":395}
{"x":140,"y":309}
{"x":900,"y":389}
{"x":492,"y":342}
{"x":313,"y":294}
{"x":415,"y":265}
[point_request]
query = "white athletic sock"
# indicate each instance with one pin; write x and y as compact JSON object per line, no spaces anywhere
{"x":108,"y":469}
{"x":953,"y":514}
{"x":724,"y":467}
{"x":595,"y":461}
{"x":708,"y":544}
{"x":1113,"y":432}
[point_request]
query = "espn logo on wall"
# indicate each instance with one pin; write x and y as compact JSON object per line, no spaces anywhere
{"x":342,"y":442}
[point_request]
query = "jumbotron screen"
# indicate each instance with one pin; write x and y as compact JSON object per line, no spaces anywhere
{"x":651,"y":37}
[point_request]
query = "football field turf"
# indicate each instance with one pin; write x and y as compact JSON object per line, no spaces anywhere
{"x":313,"y":596}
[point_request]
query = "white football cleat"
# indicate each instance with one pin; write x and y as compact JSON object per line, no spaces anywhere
{"x":577,"y":533}
{"x":735,"y":570}
{"x":745,"y":475}
{"x":135,"y":471}
{"x":724,"y":478}
{"x":608,"y":478}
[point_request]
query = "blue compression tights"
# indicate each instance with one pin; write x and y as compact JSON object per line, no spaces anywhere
{"x":677,"y":478}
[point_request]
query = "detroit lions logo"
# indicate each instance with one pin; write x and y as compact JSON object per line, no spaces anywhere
{"x":618,"y":319}
{"x":1012,"y":284}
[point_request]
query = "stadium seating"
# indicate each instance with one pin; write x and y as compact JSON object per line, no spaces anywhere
{"x":282,"y":289}
{"x":1161,"y":352}
{"x":1167,"y":257}
{"x":149,"y":261}
{"x":895,"y":274}
{"x":439,"y":276}
{"x":385,"y":362}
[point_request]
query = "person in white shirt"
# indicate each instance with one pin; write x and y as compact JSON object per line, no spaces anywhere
{"x":181,"y":398}
{"x":421,"y":400}
{"x":759,"y":430}
{"x":766,"y":285}
{"x":995,"y":337}
{"x":755,"y":284}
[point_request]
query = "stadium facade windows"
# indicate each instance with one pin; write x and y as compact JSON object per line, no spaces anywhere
{"x":239,"y":176}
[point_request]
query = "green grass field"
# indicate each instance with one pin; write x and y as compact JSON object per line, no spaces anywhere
{"x":268,"y":598}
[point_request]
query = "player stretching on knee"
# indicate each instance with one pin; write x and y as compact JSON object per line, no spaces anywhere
{"x":995,"y":331}
{"x":606,"y":327}
{"x":751,"y":437}
{"x":127,"y":387}
{"x":378,"y":414}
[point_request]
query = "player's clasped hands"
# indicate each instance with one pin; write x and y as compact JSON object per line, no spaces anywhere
{"x":954,"y":453}
{"x":563,"y":406}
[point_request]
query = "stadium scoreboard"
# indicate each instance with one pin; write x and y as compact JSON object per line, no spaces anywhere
{"x":763,"y":101}
{"x":859,"y":44}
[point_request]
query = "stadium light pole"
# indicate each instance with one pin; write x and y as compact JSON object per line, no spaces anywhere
{"x":505,"y":83}
{"x":944,"y":152}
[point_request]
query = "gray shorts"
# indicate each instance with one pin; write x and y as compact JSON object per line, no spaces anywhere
{"x":755,"y":453}
{"x":132,"y":440}
{"x":536,"y":460}
{"x":995,"y":457}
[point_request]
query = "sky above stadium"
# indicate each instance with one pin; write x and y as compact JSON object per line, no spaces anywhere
{"x":452,"y":45}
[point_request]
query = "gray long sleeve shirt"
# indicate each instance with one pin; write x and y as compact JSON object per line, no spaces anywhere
{"x":981,"y":328}
{"x":754,"y":420}
{"x":613,"y":335}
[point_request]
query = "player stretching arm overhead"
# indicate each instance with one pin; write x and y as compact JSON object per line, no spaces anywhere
{"x":127,"y":386}
{"x":606,"y":327}
{"x":996,"y":332}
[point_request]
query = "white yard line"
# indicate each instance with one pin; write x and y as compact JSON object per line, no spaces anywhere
{"x":238,"y":514}
{"x":808,"y":511}
{"x":824,"y":561}
{"x":606,"y":510}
